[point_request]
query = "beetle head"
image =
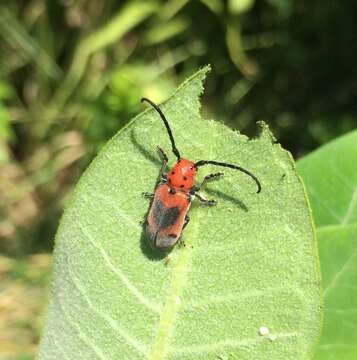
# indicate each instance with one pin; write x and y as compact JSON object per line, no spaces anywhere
{"x":182,"y":175}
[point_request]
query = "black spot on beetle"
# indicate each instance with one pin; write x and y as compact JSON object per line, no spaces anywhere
{"x":172,"y":172}
{"x":164,"y":216}
{"x":172,"y":191}
{"x":182,"y":185}
{"x":172,"y":236}
{"x":185,"y":178}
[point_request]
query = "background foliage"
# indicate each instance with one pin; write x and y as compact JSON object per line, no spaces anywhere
{"x":333,"y":198}
{"x":72,"y":73}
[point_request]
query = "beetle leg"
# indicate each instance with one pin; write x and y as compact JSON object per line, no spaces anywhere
{"x":167,"y":260}
{"x":148,"y":195}
{"x":162,"y":175}
{"x":208,"y":178}
{"x":205,"y":201}
{"x":187,"y":220}
{"x":181,"y":243}
{"x":162,"y":154}
{"x":195,"y":188}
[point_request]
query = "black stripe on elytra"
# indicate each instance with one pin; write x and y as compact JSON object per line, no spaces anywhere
{"x":163,"y":216}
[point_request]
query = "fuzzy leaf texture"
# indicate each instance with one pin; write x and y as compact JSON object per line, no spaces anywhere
{"x":249,"y":262}
{"x":331,"y":180}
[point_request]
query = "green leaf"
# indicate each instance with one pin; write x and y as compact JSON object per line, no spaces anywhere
{"x":13,"y":32}
{"x":331,"y":179}
{"x":129,"y":16}
{"x":248,"y":263}
{"x":5,"y":127}
{"x":165,"y":31}
{"x":240,"y":6}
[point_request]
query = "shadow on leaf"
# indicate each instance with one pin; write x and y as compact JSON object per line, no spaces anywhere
{"x":145,"y":152}
{"x":148,"y":251}
{"x":221,"y":195}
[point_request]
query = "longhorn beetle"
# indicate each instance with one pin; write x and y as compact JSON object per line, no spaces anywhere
{"x":168,"y":214}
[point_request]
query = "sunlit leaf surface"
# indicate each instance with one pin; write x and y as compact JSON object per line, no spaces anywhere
{"x":244,"y":286}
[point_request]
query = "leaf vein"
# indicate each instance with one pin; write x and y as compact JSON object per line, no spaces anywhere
{"x":122,"y":214}
{"x":116,"y":270}
{"x":337,"y":276}
{"x":350,"y":208}
{"x":130,"y":340}
{"x":82,"y":336}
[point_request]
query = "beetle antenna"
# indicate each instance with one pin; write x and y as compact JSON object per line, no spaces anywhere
{"x":232,"y":166}
{"x":156,"y":107}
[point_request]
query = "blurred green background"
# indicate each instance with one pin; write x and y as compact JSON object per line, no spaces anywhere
{"x":72,"y":73}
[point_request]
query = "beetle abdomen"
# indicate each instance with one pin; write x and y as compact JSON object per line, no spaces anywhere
{"x":166,"y":217}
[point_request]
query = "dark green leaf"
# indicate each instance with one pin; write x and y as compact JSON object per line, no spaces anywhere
{"x":331,"y":179}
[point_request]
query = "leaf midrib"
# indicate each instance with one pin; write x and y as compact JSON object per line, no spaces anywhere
{"x":178,"y":279}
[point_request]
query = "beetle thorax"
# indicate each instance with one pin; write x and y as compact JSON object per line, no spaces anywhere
{"x":182,"y":175}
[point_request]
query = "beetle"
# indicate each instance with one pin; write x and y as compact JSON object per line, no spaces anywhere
{"x":175,"y":191}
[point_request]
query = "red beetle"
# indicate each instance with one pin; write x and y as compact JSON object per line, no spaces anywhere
{"x":174,"y":193}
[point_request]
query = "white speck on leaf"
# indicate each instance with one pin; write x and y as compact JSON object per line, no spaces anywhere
{"x":263,"y":330}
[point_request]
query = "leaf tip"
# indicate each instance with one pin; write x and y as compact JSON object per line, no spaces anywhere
{"x":197,"y":78}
